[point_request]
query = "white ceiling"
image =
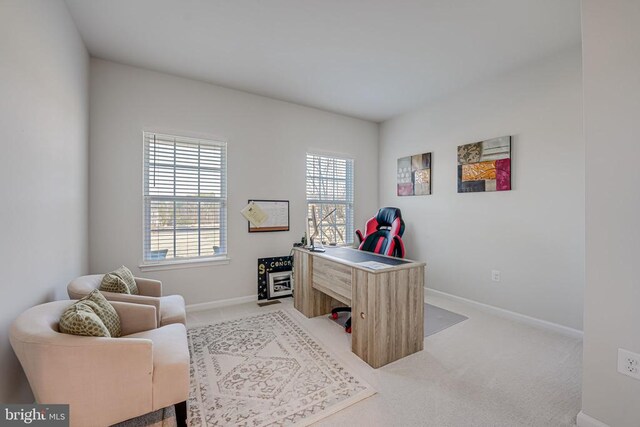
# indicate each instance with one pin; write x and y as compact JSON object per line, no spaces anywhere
{"x":372,"y":59}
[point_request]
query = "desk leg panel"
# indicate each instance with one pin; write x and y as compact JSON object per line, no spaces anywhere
{"x":360,"y":341}
{"x":307,"y":300}
{"x":416,"y":313}
{"x":388,"y":315}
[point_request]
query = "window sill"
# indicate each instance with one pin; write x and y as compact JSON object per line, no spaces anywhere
{"x":191,"y":263}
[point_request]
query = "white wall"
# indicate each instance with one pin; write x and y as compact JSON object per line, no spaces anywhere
{"x":44,"y":133}
{"x":611,"y":38}
{"x":533,"y":234}
{"x":267,"y":142}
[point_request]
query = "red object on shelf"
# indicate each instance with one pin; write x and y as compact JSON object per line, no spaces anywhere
{"x":348,"y":329}
{"x":334,"y":316}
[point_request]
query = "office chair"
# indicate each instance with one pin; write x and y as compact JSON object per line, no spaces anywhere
{"x":383,"y":235}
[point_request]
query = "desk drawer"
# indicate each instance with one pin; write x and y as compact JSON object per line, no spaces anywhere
{"x":333,"y":279}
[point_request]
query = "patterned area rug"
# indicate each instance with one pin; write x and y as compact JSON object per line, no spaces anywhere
{"x":165,"y":417}
{"x":265,"y":370}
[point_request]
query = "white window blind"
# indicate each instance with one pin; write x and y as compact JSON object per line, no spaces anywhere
{"x":185,"y":198}
{"x":330,"y":196}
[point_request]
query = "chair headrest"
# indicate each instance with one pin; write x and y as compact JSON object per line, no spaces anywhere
{"x":386,"y":216}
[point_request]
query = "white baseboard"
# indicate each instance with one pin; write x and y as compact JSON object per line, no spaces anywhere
{"x":584,"y":420}
{"x":220,"y":303}
{"x":565,"y":330}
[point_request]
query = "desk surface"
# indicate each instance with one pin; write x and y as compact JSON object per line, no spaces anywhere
{"x":353,"y":258}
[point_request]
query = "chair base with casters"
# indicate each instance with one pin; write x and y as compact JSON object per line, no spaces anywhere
{"x":383,"y":236}
{"x":334,"y":316}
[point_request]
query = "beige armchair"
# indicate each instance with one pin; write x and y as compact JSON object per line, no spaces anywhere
{"x":104,"y":380}
{"x":169,"y":309}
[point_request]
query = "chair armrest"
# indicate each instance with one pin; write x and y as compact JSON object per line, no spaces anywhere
{"x":399,"y":247}
{"x":360,"y":237}
{"x":149,"y":287}
{"x":135,"y":317}
{"x":135,"y":299}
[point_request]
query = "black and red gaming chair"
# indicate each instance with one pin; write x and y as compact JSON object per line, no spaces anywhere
{"x":383,"y":235}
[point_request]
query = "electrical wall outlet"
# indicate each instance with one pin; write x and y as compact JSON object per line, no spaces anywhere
{"x":629,"y":363}
{"x":495,"y":275}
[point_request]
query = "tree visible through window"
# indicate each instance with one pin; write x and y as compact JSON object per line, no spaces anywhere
{"x":185,"y":198}
{"x":330,"y":198}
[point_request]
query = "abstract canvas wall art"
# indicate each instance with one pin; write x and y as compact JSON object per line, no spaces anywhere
{"x":485,"y":166}
{"x":414,"y":175}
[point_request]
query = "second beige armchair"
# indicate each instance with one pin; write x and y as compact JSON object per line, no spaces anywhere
{"x":169,"y":309}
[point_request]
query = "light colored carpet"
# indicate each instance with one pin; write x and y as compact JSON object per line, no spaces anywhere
{"x":486,"y":371}
{"x":263,"y":370}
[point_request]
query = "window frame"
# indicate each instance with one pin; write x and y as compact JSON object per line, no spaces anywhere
{"x":194,"y":261}
{"x":350,"y":195}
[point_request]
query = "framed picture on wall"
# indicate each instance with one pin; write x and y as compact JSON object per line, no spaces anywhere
{"x":277,"y":216}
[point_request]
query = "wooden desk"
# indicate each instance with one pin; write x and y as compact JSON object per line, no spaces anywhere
{"x":387,"y":305}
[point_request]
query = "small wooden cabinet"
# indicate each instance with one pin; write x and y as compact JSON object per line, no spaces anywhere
{"x":387,"y":304}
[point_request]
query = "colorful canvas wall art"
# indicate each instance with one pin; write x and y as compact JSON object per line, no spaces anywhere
{"x":485,"y":166}
{"x":414,"y":175}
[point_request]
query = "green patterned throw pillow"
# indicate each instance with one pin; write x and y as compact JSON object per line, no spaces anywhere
{"x":127,"y":276}
{"x":120,"y":281}
{"x":80,"y":319}
{"x":112,"y":283}
{"x":105,"y":311}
